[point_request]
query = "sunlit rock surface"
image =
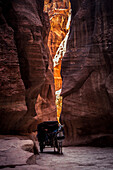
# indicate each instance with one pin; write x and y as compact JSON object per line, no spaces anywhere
{"x":58,"y":12}
{"x":59,"y":15}
{"x":87,"y":73}
{"x":26,"y":71}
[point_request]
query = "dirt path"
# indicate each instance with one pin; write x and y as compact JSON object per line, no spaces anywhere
{"x":16,"y":154}
{"x":77,"y":158}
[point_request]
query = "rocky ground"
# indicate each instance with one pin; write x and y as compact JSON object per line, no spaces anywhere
{"x":17,"y":153}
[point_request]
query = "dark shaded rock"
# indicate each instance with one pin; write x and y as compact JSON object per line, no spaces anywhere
{"x":87,"y":73}
{"x":12,"y":90}
{"x":25,"y":65}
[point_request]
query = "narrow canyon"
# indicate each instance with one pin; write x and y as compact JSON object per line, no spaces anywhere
{"x":57,"y":47}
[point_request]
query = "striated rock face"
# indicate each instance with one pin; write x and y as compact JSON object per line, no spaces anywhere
{"x":87,"y":73}
{"x":59,"y":15}
{"x":58,"y":12}
{"x":12,"y":90}
{"x":25,"y":66}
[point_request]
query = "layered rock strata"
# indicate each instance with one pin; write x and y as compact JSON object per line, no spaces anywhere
{"x":59,"y":15}
{"x":58,"y":12}
{"x":87,"y":73}
{"x":26,"y":71}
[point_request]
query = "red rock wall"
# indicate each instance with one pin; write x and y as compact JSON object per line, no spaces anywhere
{"x":25,"y":66}
{"x":87,"y":73}
{"x":12,"y":90}
{"x":58,"y":12}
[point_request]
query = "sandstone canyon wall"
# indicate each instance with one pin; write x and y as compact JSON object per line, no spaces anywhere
{"x":25,"y":68}
{"x":59,"y":12}
{"x":87,"y":73}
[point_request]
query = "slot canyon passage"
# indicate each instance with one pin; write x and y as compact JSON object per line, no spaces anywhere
{"x":33,"y":53}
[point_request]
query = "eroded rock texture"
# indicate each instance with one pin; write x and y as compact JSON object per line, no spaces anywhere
{"x":15,"y":152}
{"x":87,"y":73}
{"x":58,"y":11}
{"x":25,"y":69}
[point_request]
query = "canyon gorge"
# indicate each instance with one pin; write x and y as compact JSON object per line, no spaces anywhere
{"x":33,"y":37}
{"x":59,"y":13}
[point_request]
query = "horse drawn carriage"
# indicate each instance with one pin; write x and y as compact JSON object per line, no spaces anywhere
{"x":51,"y":134}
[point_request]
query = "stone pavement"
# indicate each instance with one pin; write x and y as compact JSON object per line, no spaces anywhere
{"x":78,"y":158}
{"x":17,"y":154}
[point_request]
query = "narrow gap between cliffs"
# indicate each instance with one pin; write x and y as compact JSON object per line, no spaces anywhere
{"x":59,"y":16}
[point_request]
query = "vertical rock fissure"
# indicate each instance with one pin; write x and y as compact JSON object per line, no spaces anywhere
{"x":60,"y":16}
